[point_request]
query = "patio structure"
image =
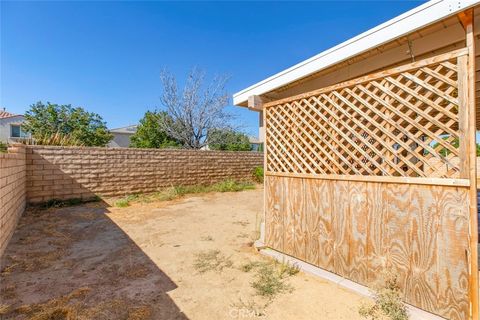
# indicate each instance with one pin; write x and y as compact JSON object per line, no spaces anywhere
{"x":370,"y":157}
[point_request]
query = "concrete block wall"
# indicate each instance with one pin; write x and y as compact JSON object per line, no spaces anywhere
{"x":12,"y":191}
{"x":83,"y":172}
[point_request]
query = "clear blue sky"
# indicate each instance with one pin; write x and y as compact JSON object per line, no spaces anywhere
{"x":107,"y":56}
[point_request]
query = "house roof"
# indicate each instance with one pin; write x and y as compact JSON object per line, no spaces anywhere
{"x":5,"y":114}
{"x":127,"y":130}
{"x":408,"y":22}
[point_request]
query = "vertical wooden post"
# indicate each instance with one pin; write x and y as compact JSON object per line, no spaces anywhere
{"x":467,"y":20}
{"x":256,"y":103}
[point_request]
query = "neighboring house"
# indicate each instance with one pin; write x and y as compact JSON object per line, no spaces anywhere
{"x":10,"y":126}
{"x":121,"y":136}
{"x":255,"y":143}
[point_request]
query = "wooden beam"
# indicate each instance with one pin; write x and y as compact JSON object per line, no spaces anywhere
{"x":467,"y":19}
{"x":255,"y":103}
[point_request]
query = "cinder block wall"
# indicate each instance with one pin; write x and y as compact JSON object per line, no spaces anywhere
{"x":12,"y":191}
{"x":81,"y":172}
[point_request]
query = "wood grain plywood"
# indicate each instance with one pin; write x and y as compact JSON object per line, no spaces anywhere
{"x":358,"y":228}
{"x":452,"y":264}
{"x":320,"y":236}
{"x":423,"y":231}
{"x":341,"y":227}
{"x":297,"y":197}
{"x":292,"y":193}
{"x":377,"y":240}
{"x":397,"y":223}
{"x":274,"y":213}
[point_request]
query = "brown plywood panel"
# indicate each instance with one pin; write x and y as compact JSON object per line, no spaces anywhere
{"x":320,"y":236}
{"x":452,"y":264}
{"x":377,"y":236}
{"x":341,"y":225}
{"x":397,"y":222}
{"x":299,"y":222}
{"x":274,"y":230}
{"x":424,"y":225}
{"x":292,"y":194}
{"x":358,"y":232}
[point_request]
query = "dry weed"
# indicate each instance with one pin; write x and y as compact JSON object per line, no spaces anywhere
{"x":211,"y":260}
{"x":388,"y":304}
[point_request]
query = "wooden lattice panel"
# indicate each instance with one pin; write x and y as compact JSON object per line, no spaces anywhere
{"x":401,"y":122}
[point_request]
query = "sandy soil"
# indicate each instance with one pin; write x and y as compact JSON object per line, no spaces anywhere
{"x":99,"y":262}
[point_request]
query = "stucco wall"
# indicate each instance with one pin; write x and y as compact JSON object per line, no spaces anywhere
{"x":120,"y":140}
{"x":81,"y":172}
{"x":12,"y":191}
{"x":5,"y":126}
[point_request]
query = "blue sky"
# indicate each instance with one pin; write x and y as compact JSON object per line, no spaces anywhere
{"x":107,"y":56}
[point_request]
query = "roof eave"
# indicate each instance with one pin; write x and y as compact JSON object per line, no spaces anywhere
{"x":408,"y":22}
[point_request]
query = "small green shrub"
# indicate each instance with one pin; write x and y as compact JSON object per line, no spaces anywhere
{"x":122,"y":203}
{"x":125,"y":202}
{"x":258,"y":174}
{"x":3,"y":147}
{"x":271,"y":276}
{"x":269,"y":282}
{"x":388,"y":302}
{"x":232,"y":186}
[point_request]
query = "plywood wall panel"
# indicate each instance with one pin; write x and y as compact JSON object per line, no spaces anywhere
{"x":292,"y":193}
{"x":312,"y":213}
{"x":320,"y":236}
{"x":274,"y":212}
{"x":377,"y":233}
{"x":423,"y":231}
{"x":299,"y":218}
{"x":359,"y":230}
{"x":397,"y":223}
{"x":341,"y":227}
{"x":358,"y":225}
{"x":452,"y":263}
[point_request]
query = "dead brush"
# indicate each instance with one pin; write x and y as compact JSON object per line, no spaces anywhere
{"x":62,"y":308}
{"x":270,"y":279}
{"x":248,"y":308}
{"x":211,"y":260}
{"x":388,"y":304}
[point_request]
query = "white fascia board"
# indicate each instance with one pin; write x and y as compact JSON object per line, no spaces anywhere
{"x":417,"y":18}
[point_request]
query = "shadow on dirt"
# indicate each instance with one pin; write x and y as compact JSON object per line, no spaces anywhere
{"x":76,"y":263}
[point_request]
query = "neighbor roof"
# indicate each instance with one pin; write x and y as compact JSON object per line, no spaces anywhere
{"x":408,"y":22}
{"x":6,"y":114}
{"x":128,"y":129}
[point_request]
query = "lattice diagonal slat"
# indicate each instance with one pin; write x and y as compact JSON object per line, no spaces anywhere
{"x":399,"y":122}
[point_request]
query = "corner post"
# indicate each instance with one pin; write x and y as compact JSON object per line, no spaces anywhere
{"x":467,"y":20}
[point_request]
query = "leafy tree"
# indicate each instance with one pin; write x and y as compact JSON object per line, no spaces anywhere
{"x":195,"y":110}
{"x":150,"y":134}
{"x":222,"y":139}
{"x":88,"y":128}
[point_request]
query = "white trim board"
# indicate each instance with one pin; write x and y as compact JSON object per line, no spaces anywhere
{"x":413,"y":312}
{"x":404,"y":24}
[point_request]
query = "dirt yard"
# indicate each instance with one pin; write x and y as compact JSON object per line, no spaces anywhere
{"x":190,"y":258}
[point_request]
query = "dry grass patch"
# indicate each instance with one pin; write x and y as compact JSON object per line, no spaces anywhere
{"x":175,"y":192}
{"x":62,"y":308}
{"x":212,"y":260}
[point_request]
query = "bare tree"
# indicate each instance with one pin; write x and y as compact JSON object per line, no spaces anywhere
{"x":196,"y":110}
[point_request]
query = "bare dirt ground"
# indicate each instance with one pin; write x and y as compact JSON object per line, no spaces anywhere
{"x":94,"y":261}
